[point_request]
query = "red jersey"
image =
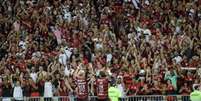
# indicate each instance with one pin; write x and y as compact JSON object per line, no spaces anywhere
{"x":170,"y":89}
{"x":133,"y":89}
{"x":102,"y":88}
{"x":64,"y":91}
{"x":185,"y":91}
{"x":82,"y":91}
{"x":189,"y":79}
{"x":127,"y":80}
{"x":35,"y":94}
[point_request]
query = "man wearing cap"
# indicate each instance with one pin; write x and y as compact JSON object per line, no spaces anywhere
{"x":113,"y":92}
{"x":196,"y":94}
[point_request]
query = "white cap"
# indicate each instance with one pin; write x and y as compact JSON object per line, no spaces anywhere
{"x":147,"y":2}
{"x":142,"y":71}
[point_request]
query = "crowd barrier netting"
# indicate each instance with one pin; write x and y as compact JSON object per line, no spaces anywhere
{"x":94,"y":98}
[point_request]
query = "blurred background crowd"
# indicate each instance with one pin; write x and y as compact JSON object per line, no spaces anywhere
{"x":149,"y":47}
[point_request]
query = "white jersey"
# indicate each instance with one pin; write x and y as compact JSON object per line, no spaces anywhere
{"x":48,"y":89}
{"x":18,"y":93}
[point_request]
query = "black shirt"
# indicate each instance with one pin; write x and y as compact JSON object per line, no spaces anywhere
{"x":7,"y":90}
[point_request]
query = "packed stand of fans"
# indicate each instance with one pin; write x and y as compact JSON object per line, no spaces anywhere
{"x":145,"y":46}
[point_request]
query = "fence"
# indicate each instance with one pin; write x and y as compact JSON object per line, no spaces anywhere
{"x":94,"y":98}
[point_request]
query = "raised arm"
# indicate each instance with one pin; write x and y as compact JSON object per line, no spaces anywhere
{"x":175,"y":73}
{"x":75,"y":74}
{"x":68,"y":84}
{"x":167,"y":75}
{"x":11,"y":80}
{"x":191,"y":43}
{"x":172,"y":40}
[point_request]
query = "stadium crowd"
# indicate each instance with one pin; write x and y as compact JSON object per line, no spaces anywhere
{"x":145,"y":47}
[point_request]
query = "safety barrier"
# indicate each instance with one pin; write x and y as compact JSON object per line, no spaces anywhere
{"x":94,"y":98}
{"x":156,"y":98}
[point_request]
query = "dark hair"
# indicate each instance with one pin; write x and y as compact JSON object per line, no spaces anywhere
{"x":113,"y":82}
{"x":196,"y":87}
{"x":102,"y":74}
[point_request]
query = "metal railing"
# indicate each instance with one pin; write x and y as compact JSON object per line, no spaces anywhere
{"x":94,"y":98}
{"x":156,"y":98}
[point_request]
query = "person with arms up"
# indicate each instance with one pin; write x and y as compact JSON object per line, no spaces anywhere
{"x":82,"y":84}
{"x":172,"y":76}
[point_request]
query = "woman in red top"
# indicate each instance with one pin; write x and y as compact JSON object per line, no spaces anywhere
{"x":156,"y":89}
{"x":170,"y":91}
{"x":35,"y":94}
{"x":185,"y":91}
{"x":189,"y":78}
{"x":145,"y":90}
{"x":63,"y":91}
